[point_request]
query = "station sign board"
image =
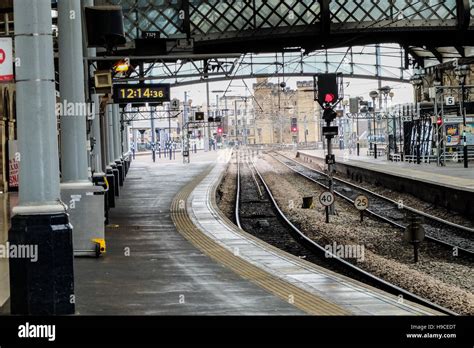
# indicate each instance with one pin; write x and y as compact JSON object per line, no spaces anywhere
{"x":450,"y":101}
{"x":199,"y":116}
{"x":6,"y":59}
{"x":174,"y":105}
{"x":150,"y":35}
{"x":330,"y":130}
{"x":141,"y":93}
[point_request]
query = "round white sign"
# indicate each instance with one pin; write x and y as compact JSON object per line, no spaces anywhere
{"x":326,"y":198}
{"x":361,"y":202}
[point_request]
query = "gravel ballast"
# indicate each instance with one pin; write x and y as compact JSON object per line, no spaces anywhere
{"x":438,"y":277}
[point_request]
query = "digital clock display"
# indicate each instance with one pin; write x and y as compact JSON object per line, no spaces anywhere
{"x":149,"y":93}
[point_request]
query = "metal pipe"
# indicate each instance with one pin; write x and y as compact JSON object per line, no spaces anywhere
{"x":74,"y":166}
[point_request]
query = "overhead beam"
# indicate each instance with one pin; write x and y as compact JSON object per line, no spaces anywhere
{"x":461,"y":51}
{"x":419,"y":60}
{"x":463,"y":10}
{"x":325,"y":17}
{"x":240,"y":77}
{"x":435,"y":53}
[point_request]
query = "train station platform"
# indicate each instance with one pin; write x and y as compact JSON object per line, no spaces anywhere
{"x":150,"y":268}
{"x":451,"y":186}
{"x":309,"y":287}
{"x":171,"y":252}
{"x":452,"y":175}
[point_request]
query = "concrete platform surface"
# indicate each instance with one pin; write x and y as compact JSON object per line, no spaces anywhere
{"x":453,"y":175}
{"x":150,"y":269}
{"x":354,"y":297}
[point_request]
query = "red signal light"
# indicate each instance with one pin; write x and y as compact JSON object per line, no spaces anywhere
{"x":219,"y":130}
{"x":329,"y":98}
{"x":439,"y":121}
{"x":294,"y":129}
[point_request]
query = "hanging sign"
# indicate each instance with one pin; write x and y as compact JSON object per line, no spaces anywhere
{"x":450,"y":101}
{"x":6,"y":59}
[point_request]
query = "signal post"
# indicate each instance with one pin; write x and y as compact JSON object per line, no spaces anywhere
{"x":329,"y":88}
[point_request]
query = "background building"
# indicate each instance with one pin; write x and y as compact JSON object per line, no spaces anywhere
{"x":7,"y":136}
{"x":284,"y":115}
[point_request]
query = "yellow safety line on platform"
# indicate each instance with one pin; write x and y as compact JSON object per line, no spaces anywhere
{"x":290,"y":293}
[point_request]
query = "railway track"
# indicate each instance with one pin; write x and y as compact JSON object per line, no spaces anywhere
{"x":257,"y":212}
{"x":387,"y":210}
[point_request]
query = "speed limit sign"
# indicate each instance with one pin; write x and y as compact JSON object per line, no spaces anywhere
{"x":326,"y":198}
{"x":361,"y":202}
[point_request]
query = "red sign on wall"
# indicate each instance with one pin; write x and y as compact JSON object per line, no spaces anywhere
{"x":6,"y":59}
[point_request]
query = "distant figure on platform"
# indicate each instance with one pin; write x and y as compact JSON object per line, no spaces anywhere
{"x":133,"y":150}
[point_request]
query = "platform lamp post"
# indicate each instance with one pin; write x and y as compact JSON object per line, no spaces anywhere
{"x":391,"y":95}
{"x":461,"y":72}
{"x":374,"y":95}
{"x":385,"y":91}
{"x":417,"y":82}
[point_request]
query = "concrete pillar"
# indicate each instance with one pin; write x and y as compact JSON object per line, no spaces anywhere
{"x":116,"y":130}
{"x":112,"y":165}
{"x":44,"y":287}
{"x":96,"y":154}
{"x":110,"y":135}
{"x":134,"y":135}
{"x":71,"y":78}
{"x":126,"y":138}
{"x":96,"y":136}
{"x":86,"y":209}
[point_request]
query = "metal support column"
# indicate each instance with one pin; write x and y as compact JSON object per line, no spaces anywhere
{"x":116,"y":132}
{"x":125,"y":137}
{"x":44,"y":287}
{"x":110,"y":136}
{"x":85,"y":201}
{"x":74,"y":166}
{"x":153,"y":133}
{"x":116,"y":114}
{"x":95,"y":136}
{"x":208,"y":130}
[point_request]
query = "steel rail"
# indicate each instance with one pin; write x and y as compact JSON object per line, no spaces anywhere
{"x":314,"y":247}
{"x":376,"y":215}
